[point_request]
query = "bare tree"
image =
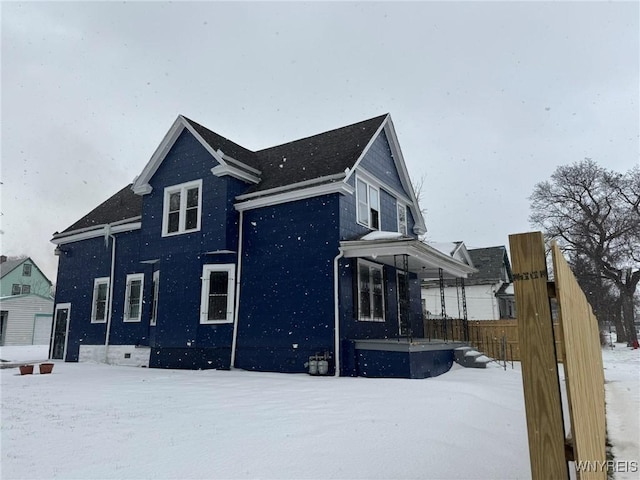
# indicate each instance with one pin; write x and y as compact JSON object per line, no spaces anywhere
{"x":593,"y":213}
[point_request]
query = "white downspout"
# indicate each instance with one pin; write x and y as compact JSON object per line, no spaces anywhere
{"x":336,"y":296}
{"x":111,"y":280}
{"x":236,"y":309}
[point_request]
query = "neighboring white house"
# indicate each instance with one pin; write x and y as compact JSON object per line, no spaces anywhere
{"x":488,"y":293}
{"x":25,"y":319}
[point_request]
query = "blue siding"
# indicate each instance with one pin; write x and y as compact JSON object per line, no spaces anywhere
{"x":286,"y":308}
{"x":379,"y":162}
{"x":77,"y":268}
{"x":377,"y":363}
{"x":286,"y":296}
{"x":187,"y":161}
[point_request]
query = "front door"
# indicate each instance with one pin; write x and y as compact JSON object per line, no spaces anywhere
{"x":60,"y":331}
{"x":404,"y":310}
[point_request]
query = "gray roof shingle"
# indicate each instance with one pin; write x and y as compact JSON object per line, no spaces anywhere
{"x":121,"y":206}
{"x":312,"y":157}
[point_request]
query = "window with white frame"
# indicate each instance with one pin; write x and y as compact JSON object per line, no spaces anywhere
{"x":402,"y":218}
{"x":133,"y":297}
{"x":26,"y":269}
{"x":368,"y":201}
{"x":216,"y":304}
{"x":182,"y":208}
{"x":370,"y":292}
{"x":99,"y":303}
{"x":154,"y":299}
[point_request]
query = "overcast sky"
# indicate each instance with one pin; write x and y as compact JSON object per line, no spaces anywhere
{"x":487,"y":98}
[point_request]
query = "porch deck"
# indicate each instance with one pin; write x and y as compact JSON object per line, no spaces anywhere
{"x":401,"y":357}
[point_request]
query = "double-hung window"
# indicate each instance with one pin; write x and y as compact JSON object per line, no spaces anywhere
{"x":100,"y":299}
{"x":26,"y":269}
{"x":370,"y":292}
{"x":154,"y":300}
{"x":133,"y":297}
{"x":368,"y":200}
{"x":218,"y":283}
{"x":182,"y":208}
{"x":17,"y":289}
{"x":402,"y":218}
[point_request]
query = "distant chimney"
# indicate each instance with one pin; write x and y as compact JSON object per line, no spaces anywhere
{"x":3,"y":258}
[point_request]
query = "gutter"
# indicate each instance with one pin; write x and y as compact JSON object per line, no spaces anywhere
{"x":336,"y":296}
{"x":111,"y":280}
{"x":234,"y":341}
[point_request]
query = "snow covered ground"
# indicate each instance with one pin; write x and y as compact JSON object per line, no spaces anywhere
{"x":88,"y":421}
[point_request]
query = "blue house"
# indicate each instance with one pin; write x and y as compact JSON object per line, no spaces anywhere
{"x":217,"y":256}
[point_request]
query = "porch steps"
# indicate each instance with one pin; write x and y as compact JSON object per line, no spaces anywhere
{"x":470,"y":358}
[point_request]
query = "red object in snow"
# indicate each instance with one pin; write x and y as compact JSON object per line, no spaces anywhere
{"x":635,"y":344}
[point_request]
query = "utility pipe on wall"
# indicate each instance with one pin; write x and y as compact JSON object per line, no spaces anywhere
{"x":111,"y":281}
{"x":336,"y":304}
{"x":234,"y":340}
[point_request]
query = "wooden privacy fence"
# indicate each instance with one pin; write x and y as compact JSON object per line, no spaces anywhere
{"x":497,"y":339}
{"x":550,"y":447}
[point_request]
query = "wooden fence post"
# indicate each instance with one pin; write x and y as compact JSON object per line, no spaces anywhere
{"x":538,"y":356}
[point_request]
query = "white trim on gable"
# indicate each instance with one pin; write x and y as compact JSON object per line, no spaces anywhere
{"x":243,"y":166}
{"x":222,"y":170}
{"x":300,"y":194}
{"x":291,"y":186}
{"x":141,"y":184}
{"x":387,"y":125}
{"x":97,"y":231}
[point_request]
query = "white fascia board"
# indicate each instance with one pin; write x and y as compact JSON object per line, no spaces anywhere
{"x":141,"y":183}
{"x":291,"y":186}
{"x":226,"y":169}
{"x":300,"y":194}
{"x":367,"y":147}
{"x":243,"y":166}
{"x":95,"y":232}
{"x":412,"y":248}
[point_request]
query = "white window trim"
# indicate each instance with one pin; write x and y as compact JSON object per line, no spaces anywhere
{"x":154,"y":299}
{"x":96,"y":283}
{"x":370,"y":186}
{"x":182,"y":188}
{"x":406,"y":217}
{"x":230,"y":268}
{"x":377,"y":267}
{"x":130,"y":278}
